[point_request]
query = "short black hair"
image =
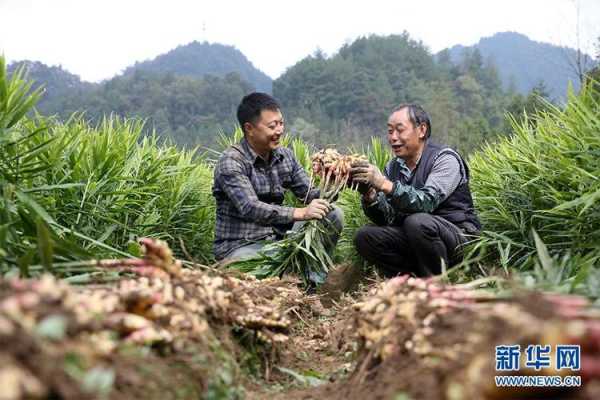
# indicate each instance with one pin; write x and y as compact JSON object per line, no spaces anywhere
{"x":252,"y":105}
{"x":417,"y":115}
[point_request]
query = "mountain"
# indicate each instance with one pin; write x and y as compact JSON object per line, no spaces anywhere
{"x":189,"y":111}
{"x":523,"y":62}
{"x":59,"y":84}
{"x":187,"y":96}
{"x":346,"y":98}
{"x":199,"y":59}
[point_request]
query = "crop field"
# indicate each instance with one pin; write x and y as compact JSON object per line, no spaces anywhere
{"x":109,"y":288}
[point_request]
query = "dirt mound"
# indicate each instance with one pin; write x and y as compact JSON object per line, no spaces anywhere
{"x":176,"y":334}
{"x":421,"y":340}
{"x":70,"y":342}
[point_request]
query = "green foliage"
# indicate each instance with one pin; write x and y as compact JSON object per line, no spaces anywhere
{"x":564,"y":273}
{"x":354,"y":218}
{"x":302,"y":152}
{"x":302,"y":253}
{"x":60,"y":86}
{"x":186,"y":111}
{"x":196,"y":60}
{"x":75,"y":190}
{"x":349,"y":201}
{"x":26,"y":229}
{"x":225,"y":141}
{"x":186,"y":95}
{"x":183,"y":110}
{"x":15,"y":101}
{"x":522,"y":107}
{"x":71,"y":190}
{"x":379,"y":154}
{"x":190,"y":94}
{"x":544,"y":179}
{"x":522,"y":62}
{"x":350,"y":95}
{"x":130,"y":186}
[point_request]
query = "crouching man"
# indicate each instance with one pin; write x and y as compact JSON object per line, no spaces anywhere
{"x":250,"y":181}
{"x":421,"y":203}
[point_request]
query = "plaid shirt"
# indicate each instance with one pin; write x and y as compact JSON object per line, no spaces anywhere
{"x":249,"y":192}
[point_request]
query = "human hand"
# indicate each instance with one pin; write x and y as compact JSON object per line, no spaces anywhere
{"x":361,"y":188}
{"x":317,"y":209}
{"x":369,"y":196}
{"x":368,"y":174}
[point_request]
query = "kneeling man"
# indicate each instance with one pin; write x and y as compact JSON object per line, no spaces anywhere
{"x":421,"y":203}
{"x":250,"y":181}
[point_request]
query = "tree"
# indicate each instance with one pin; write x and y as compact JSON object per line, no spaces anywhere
{"x":348,"y":96}
{"x":581,"y":63}
{"x":527,"y":107}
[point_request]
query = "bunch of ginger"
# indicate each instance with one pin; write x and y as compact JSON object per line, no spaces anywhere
{"x":162,"y":305}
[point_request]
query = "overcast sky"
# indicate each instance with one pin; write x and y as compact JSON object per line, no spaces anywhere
{"x":97,"y":39}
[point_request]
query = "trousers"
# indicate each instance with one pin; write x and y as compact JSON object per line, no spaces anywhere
{"x":419,"y":246}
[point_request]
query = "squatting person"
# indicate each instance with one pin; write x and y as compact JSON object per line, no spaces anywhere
{"x":421,"y":204}
{"x":250,"y":181}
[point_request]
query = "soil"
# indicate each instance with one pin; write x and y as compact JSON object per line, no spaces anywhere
{"x":466,"y":371}
{"x":357,"y":338}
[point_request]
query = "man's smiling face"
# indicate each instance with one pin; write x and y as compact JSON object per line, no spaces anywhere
{"x":405,"y":138}
{"x":265,"y":135}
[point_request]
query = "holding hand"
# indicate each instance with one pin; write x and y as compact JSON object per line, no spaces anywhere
{"x":370,"y":195}
{"x":368,"y":174}
{"x":317,"y":209}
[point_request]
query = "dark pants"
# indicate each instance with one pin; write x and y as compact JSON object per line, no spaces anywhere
{"x":418,"y":247}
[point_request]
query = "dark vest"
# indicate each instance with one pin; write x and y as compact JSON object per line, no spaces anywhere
{"x":458,"y":207}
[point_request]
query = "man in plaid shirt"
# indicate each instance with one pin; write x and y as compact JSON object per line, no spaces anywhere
{"x":249,"y":184}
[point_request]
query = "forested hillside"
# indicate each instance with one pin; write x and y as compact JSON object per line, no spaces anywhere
{"x":187,"y":111}
{"x":199,"y":59}
{"x":61,"y":87}
{"x":350,"y":95}
{"x":524,"y":63}
{"x":345,"y":98}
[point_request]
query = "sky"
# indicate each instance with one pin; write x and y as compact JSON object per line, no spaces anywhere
{"x":97,"y":39}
